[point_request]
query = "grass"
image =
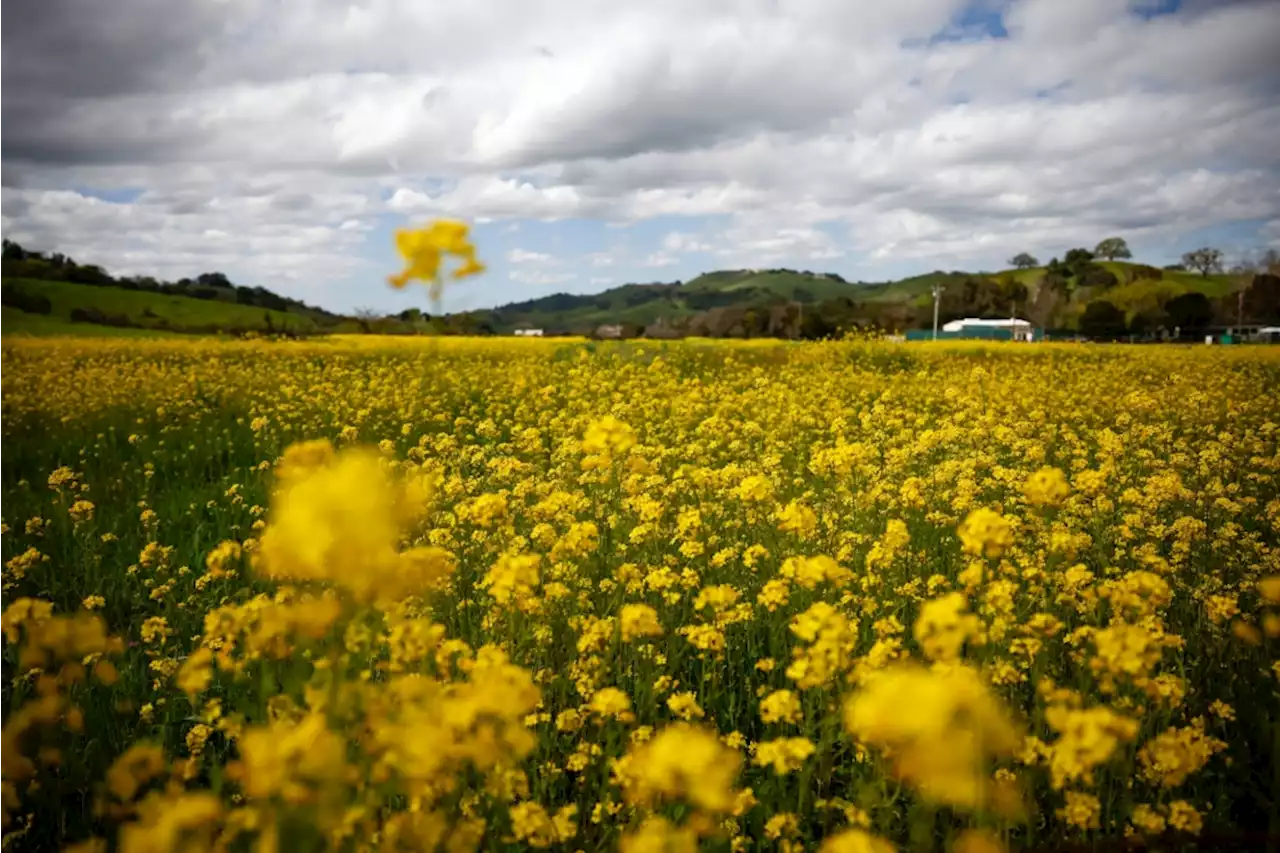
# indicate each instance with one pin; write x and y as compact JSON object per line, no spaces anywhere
{"x":1212,"y":285}
{"x":786,"y":285}
{"x":156,"y":310}
{"x":20,"y":323}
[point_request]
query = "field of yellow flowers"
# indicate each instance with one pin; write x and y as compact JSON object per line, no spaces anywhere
{"x":465,"y":594}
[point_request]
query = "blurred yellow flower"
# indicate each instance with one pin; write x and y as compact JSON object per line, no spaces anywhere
{"x":1082,"y":810}
{"x":340,"y":521}
{"x":659,"y":835}
{"x":856,"y":841}
{"x":939,"y":726}
{"x":1047,"y":487}
{"x":638,"y":620}
{"x":424,"y":249}
{"x":685,"y":762}
{"x":944,"y":626}
{"x":1269,"y":589}
{"x":978,"y":841}
{"x":986,"y":533}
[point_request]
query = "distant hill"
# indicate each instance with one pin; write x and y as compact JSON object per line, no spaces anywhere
{"x":793,"y":303}
{"x":672,"y":303}
{"x":49,"y":294}
{"x":79,"y":305}
{"x":53,"y":294}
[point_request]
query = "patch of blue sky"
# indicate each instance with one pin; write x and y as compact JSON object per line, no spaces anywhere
{"x":1148,"y":9}
{"x":114,"y":195}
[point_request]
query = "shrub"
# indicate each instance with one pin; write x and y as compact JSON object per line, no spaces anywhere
{"x":23,"y":300}
{"x":1093,"y":275}
{"x":1101,"y":319}
{"x":1138,"y":272}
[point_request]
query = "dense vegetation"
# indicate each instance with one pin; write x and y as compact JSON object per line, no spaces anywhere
{"x":496,"y":594}
{"x":1090,"y":293}
{"x":86,"y":307}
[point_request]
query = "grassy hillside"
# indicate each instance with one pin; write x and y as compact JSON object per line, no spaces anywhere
{"x":116,"y":310}
{"x":910,"y":289}
{"x":1212,"y":286}
{"x":15,"y":322}
{"x":144,"y":310}
{"x":643,"y":304}
{"x":783,"y":284}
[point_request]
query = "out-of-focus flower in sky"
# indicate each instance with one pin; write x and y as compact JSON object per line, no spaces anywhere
{"x":423,"y":250}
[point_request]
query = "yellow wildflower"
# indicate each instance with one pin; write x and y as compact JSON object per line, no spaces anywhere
{"x":785,"y":755}
{"x":986,"y":533}
{"x":423,"y":249}
{"x":780,"y":706}
{"x":1047,"y":487}
{"x":684,"y":762}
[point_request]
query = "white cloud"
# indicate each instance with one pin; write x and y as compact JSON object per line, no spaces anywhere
{"x":270,"y":139}
{"x":299,"y":247}
{"x":496,"y":197}
{"x":676,"y":241}
{"x":1271,"y":234}
{"x":757,"y":242}
{"x":661,"y":259}
{"x":522,"y":256}
{"x":526,"y":276}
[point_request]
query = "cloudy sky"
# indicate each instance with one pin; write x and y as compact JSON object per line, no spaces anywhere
{"x":595,"y":143}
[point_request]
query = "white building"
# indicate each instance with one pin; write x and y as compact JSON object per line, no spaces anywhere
{"x":528,"y":333}
{"x":1019,"y":330}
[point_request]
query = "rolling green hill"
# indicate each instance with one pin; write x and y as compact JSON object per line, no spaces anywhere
{"x":903,"y":302}
{"x":714,"y":300}
{"x":16,"y":322}
{"x":83,"y":307}
{"x":643,"y":304}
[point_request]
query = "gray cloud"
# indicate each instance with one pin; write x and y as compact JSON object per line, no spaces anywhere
{"x":68,"y":49}
{"x":264,"y":135}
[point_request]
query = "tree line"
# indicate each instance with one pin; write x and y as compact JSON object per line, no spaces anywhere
{"x":1074,"y":294}
{"x":1204,"y":260}
{"x":19,"y":262}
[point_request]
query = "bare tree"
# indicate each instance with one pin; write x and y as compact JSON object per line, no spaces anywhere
{"x":1206,"y":260}
{"x":366,"y":317}
{"x":1270,"y":262}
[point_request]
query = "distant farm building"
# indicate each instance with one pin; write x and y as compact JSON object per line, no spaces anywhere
{"x":608,"y":331}
{"x":662,"y":330}
{"x":1004,"y":329}
{"x":528,"y":333}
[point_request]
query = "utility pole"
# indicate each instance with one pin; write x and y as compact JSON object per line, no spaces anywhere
{"x":937,"y":295}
